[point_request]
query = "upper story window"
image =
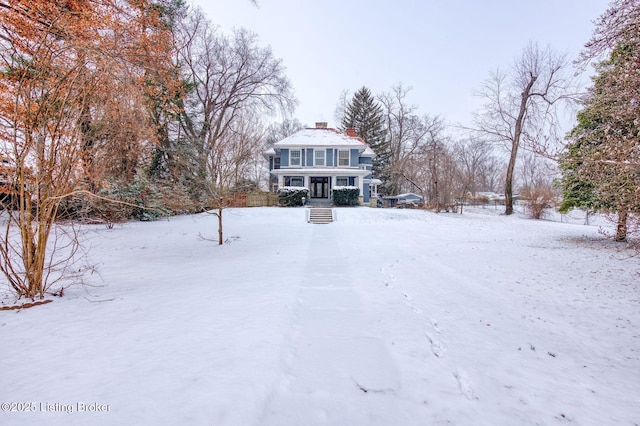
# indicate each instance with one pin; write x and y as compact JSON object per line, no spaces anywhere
{"x":318,"y":156}
{"x":295,"y":157}
{"x":343,"y":158}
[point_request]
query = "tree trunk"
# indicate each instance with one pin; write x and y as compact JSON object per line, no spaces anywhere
{"x":219,"y":226}
{"x":508,"y":184}
{"x":515,"y":143}
{"x":621,"y":230}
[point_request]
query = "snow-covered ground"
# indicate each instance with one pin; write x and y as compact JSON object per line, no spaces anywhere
{"x":384,"y":317}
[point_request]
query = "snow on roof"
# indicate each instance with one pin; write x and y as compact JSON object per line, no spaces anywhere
{"x":320,"y":137}
{"x":368,"y":152}
{"x":404,"y":196}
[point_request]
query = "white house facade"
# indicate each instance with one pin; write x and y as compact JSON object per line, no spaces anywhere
{"x":320,"y":159}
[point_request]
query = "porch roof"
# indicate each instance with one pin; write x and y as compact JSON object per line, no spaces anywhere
{"x":321,"y":172}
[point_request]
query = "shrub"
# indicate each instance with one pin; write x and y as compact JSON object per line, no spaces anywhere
{"x":479,"y":200}
{"x":140,"y":200}
{"x":346,"y":195}
{"x":289,"y":196}
{"x":537,"y":198}
{"x":117,"y":202}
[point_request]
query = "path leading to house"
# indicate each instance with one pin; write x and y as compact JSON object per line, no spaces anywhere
{"x":333,"y":350}
{"x":360,"y":349}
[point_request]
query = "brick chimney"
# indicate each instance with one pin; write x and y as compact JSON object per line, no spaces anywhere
{"x":351,"y":132}
{"x":321,"y":124}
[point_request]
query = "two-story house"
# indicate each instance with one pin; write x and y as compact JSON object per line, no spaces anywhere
{"x":320,"y":159}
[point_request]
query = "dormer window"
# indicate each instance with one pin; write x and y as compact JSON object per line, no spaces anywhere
{"x":318,"y":156}
{"x":295,"y":157}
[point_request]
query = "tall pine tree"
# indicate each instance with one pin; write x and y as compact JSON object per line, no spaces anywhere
{"x":365,"y":116}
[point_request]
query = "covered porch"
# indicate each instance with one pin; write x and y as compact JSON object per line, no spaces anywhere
{"x":320,"y":182}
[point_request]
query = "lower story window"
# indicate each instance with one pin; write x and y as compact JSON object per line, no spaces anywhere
{"x":294,"y":181}
{"x":345,"y":181}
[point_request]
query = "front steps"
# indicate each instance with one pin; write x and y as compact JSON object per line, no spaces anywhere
{"x":320,"y":215}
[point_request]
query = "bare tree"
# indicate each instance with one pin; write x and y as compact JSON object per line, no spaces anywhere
{"x":341,"y":106}
{"x":228,"y":75}
{"x":437,"y":162}
{"x":399,"y":116}
{"x":232,"y":164}
{"x":537,"y":176}
{"x":492,"y":174}
{"x":424,"y":163}
{"x":522,"y":105}
{"x":280,"y":130}
{"x":231,"y":79}
{"x":408,"y":134}
{"x":472,"y":157}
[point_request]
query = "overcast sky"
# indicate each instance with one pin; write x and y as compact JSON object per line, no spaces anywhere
{"x":443,"y":49}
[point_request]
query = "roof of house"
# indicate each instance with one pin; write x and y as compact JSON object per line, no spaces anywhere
{"x":406,"y":196}
{"x":322,"y":137}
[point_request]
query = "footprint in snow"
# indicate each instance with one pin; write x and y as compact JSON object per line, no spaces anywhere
{"x":463,"y":384}
{"x":436,"y":347}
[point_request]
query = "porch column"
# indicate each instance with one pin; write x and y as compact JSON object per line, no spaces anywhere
{"x":280,"y":181}
{"x":361,"y":198}
{"x":306,"y":183}
{"x":334,"y":180}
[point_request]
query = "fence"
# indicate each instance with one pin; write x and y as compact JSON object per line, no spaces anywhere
{"x":254,"y":199}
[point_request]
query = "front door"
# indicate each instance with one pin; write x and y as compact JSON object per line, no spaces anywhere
{"x":319,"y":187}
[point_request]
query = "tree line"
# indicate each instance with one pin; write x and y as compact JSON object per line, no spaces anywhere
{"x":119,"y":109}
{"x":515,"y":142}
{"x":415,"y":153}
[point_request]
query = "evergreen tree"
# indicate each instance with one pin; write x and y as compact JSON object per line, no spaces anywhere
{"x":365,"y":116}
{"x":600,"y":164}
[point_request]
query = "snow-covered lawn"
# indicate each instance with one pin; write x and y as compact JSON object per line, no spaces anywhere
{"x":385,"y":317}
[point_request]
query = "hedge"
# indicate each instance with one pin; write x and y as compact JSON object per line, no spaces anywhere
{"x":346,"y":195}
{"x":289,"y":196}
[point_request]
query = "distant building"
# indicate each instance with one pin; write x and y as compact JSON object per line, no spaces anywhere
{"x":408,"y":198}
